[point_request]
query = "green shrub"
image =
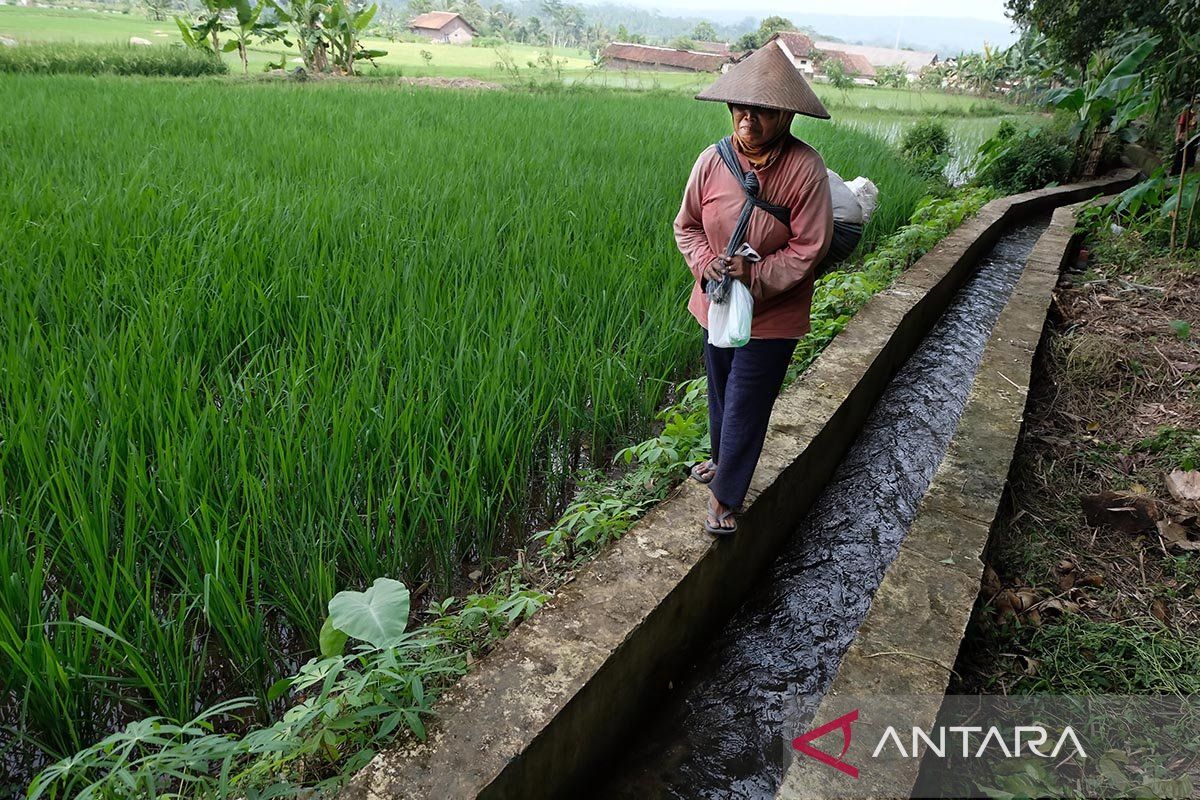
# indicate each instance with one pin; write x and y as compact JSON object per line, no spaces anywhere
{"x":1017,"y":160}
{"x":119,"y":59}
{"x":926,"y":146}
{"x":488,"y":41}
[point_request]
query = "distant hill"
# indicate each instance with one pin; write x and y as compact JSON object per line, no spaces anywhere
{"x":944,"y":35}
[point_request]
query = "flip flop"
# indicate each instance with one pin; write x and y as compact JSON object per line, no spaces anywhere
{"x":718,"y":531}
{"x":699,"y":477}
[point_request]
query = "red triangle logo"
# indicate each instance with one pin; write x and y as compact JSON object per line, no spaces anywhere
{"x":802,"y":743}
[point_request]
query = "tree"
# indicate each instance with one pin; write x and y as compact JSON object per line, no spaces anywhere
{"x":471,"y":11}
{"x":683,"y":43}
{"x":157,"y":9}
{"x":747,"y":41}
{"x":771,"y":26}
{"x":1110,"y":104}
{"x":704,"y":32}
{"x":836,"y":73}
{"x":896,"y":76}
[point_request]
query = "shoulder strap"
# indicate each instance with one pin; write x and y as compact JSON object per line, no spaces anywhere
{"x":725,"y":150}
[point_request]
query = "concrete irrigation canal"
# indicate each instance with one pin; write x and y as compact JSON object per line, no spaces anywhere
{"x":728,"y":726}
{"x":679,"y":666}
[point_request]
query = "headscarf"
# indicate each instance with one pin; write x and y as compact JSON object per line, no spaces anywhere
{"x":765,"y":154}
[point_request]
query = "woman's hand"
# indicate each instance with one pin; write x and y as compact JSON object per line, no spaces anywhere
{"x":715,"y":269}
{"x":738,"y":267}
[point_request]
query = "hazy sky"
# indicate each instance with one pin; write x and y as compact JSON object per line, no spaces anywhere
{"x":977,"y":9}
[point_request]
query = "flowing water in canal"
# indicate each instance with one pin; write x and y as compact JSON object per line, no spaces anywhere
{"x":725,"y":730}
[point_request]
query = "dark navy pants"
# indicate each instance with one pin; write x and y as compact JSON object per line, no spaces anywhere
{"x":743,"y":383}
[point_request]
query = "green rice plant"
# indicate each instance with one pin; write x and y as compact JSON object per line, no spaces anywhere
{"x":243,"y":368}
{"x":118,"y":59}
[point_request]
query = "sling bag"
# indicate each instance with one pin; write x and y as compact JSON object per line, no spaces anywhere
{"x":750,"y":185}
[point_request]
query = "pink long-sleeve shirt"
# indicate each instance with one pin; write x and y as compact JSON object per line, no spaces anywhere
{"x":782,"y":283}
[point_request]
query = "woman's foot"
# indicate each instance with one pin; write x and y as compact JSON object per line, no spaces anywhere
{"x":720,"y":520}
{"x":705,"y":471}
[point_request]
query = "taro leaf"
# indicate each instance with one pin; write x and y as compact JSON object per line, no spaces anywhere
{"x":332,"y":641}
{"x":377,"y":616}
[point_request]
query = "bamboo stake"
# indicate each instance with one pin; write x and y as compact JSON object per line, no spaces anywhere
{"x":1187,"y":129}
{"x":1187,"y":229}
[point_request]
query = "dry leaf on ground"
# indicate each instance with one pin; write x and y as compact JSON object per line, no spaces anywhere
{"x":1185,"y":486}
{"x":1175,"y":536}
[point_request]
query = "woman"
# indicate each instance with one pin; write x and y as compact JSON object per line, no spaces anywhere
{"x":763,"y":93}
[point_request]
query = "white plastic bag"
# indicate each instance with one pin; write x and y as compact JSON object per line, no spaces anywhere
{"x":868,"y":196}
{"x":729,"y":322}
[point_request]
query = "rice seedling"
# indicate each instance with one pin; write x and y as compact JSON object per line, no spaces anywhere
{"x":118,"y":59}
{"x":264,"y":342}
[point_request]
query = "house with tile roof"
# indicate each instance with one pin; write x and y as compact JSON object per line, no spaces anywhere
{"x":913,"y":61}
{"x":446,"y":27}
{"x":855,"y":66}
{"x":626,"y":56}
{"x":799,"y":48}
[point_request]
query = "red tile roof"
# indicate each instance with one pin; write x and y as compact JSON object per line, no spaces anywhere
{"x":666,"y":56}
{"x":436,"y":20}
{"x":800,"y":45}
{"x":855,"y":65}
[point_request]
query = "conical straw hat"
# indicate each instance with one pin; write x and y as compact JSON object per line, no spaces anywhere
{"x":766,"y":78}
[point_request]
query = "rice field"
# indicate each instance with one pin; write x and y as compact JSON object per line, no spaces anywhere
{"x":967,"y":132}
{"x":262,"y":342}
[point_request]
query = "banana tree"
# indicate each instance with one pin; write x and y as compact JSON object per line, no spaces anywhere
{"x":1107,"y":106}
{"x":247,"y":25}
{"x":344,"y":26}
{"x":204,"y":34}
{"x":305,"y":18}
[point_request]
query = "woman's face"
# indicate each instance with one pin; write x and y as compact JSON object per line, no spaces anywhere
{"x":754,"y":125}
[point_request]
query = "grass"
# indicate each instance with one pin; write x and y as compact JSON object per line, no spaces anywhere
{"x":247,"y":366}
{"x":1113,"y":407}
{"x":118,"y":59}
{"x":1082,"y":657}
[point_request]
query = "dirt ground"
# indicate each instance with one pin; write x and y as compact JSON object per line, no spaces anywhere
{"x":1092,"y":582}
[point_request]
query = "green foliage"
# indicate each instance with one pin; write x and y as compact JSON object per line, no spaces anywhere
{"x":840,"y":294}
{"x":117,"y":59}
{"x":1112,"y":97}
{"x":345,"y":707}
{"x":747,"y":41}
{"x":1078,"y":656}
{"x":836,"y":74}
{"x":683,"y":43}
{"x":1180,"y":445}
{"x":1147,"y":207}
{"x":894,"y":76}
{"x":926,"y":145}
{"x":377,"y":616}
{"x":705,"y":32}
{"x":1016,"y":160}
